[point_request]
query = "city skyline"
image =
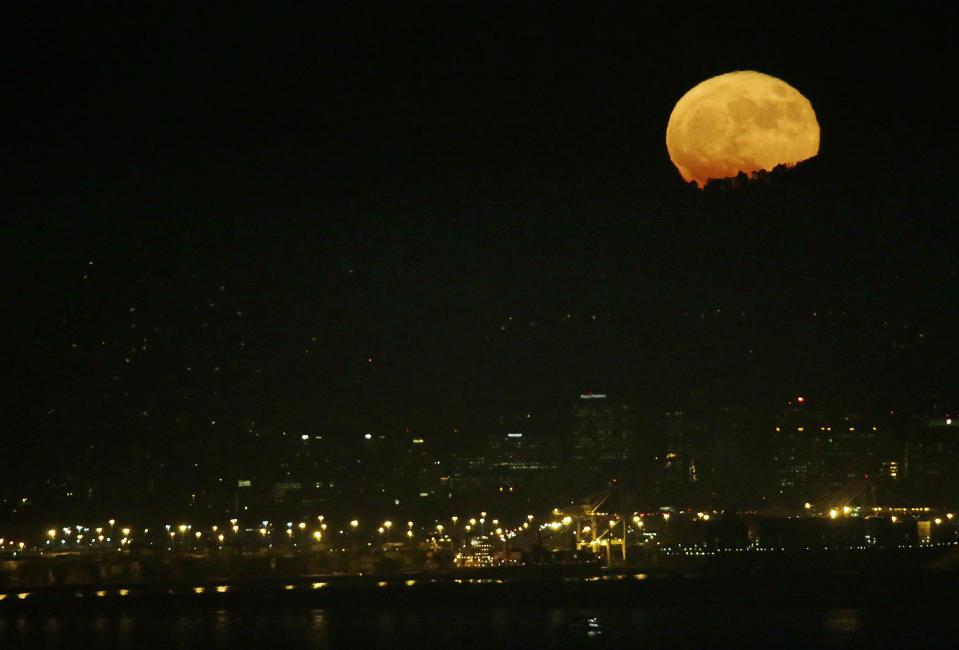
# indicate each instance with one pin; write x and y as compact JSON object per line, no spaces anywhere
{"x":394,"y":221}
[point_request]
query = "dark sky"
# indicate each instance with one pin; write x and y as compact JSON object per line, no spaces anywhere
{"x":368,"y":218}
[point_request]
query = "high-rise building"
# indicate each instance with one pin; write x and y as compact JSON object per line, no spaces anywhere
{"x":931,"y":463}
{"x":676,"y":466}
{"x":799,"y":450}
{"x":600,"y":445}
{"x":818,"y":455}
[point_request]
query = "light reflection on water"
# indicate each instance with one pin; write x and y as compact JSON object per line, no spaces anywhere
{"x":842,"y":622}
{"x":447,"y":625}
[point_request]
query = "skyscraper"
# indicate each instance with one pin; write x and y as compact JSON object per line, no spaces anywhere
{"x":600,"y":445}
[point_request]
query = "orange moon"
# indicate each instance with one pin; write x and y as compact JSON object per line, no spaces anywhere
{"x":742,"y":121}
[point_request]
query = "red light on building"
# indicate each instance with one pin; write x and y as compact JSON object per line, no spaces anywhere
{"x":800,"y":399}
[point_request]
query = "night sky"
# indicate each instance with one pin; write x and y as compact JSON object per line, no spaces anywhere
{"x":222,"y":222}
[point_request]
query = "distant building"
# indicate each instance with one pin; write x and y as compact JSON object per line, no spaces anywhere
{"x":931,"y":459}
{"x":677,"y":468}
{"x":520,"y":460}
{"x":798,"y":451}
{"x":819,"y":455}
{"x":601,"y":444}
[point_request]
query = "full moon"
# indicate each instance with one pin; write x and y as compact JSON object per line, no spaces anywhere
{"x":742,"y":121}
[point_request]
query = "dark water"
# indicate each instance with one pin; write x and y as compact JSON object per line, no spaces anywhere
{"x":867,"y":610}
{"x":593,"y":625}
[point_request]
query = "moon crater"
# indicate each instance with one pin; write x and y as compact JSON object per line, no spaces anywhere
{"x":741,"y":121}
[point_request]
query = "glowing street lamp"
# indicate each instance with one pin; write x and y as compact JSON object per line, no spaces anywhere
{"x":354,"y":523}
